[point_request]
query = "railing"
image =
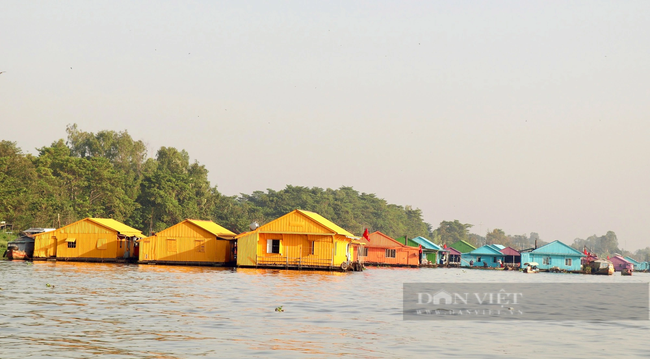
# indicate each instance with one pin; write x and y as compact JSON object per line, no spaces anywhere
{"x":283,"y":261}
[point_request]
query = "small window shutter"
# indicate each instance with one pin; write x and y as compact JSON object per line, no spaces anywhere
{"x":269,"y":245}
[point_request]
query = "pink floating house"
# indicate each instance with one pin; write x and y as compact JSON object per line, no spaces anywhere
{"x":621,"y":264}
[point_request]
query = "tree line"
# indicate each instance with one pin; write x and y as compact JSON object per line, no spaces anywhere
{"x":109,"y":174}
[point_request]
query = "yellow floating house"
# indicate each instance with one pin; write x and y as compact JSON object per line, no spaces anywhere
{"x":299,"y":239}
{"x":90,"y":239}
{"x":191,"y":242}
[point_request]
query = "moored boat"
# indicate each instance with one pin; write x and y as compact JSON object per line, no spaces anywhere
{"x":626,"y":271}
{"x":601,"y":266}
{"x":22,"y":248}
{"x":531,"y":267}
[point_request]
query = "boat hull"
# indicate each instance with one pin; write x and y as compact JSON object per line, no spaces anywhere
{"x":15,"y":254}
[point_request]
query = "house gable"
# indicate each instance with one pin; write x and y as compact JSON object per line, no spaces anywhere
{"x":557,"y":248}
{"x":302,"y":222}
{"x":463,"y":247}
{"x":426,"y":243}
{"x":486,"y":250}
{"x":380,"y":240}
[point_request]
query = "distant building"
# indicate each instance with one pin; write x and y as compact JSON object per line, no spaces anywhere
{"x":638,"y":266}
{"x":511,"y":256}
{"x":431,"y":252}
{"x":621,"y":264}
{"x":463,"y":246}
{"x":381,"y":249}
{"x":486,"y":256}
{"x":554,"y":254}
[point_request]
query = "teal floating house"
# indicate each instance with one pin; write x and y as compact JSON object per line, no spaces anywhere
{"x":487,"y":256}
{"x":554,"y":254}
{"x":638,"y":266}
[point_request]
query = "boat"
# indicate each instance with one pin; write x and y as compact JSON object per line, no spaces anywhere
{"x":531,"y":267}
{"x":626,"y":271}
{"x":22,"y":248}
{"x":601,"y":266}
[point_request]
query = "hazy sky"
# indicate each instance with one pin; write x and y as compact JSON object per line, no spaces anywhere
{"x":520,"y":115}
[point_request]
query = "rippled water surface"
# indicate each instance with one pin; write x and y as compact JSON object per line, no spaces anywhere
{"x":146,"y":311}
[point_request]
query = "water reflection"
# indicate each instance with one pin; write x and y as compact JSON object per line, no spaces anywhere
{"x":154,"y":311}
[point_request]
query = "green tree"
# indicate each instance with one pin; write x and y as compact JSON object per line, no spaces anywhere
{"x":498,"y":236}
{"x":172,"y":190}
{"x":453,"y":231}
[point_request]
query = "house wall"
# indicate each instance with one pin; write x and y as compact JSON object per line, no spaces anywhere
{"x":555,"y":261}
{"x":44,"y":245}
{"x":247,"y":249}
{"x":185,"y":242}
{"x":403,"y":256}
{"x":295,"y":249}
{"x":485,"y":258}
{"x":620,"y":264}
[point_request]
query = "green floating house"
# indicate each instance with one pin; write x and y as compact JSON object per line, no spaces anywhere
{"x":463,"y":247}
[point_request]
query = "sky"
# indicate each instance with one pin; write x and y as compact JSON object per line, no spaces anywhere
{"x":528,"y":116}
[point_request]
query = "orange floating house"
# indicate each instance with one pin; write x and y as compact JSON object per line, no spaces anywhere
{"x":190,"y":242}
{"x":381,"y":249}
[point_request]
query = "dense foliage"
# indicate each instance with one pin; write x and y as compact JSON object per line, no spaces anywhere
{"x":109,"y":174}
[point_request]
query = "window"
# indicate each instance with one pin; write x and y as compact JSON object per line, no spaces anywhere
{"x":72,"y":243}
{"x":199,"y":245}
{"x":494,"y":259}
{"x":313,"y":248}
{"x":171,"y":246}
{"x":119,"y":240}
{"x":478,"y":259}
{"x":273,"y":246}
{"x":363,"y":252}
{"x":101,"y":243}
{"x":547,"y":260}
{"x":390,"y":253}
{"x":567,"y":261}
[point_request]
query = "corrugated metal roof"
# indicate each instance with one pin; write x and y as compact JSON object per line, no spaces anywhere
{"x":559,"y":248}
{"x":509,"y":251}
{"x":426,"y":243}
{"x":486,"y":250}
{"x":463,"y":246}
{"x":632,"y":260}
{"x":326,"y":223}
{"x":117,"y":226}
{"x":213,"y":228}
{"x":380,"y":240}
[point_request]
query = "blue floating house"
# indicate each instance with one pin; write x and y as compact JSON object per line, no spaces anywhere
{"x":554,"y":254}
{"x":487,"y":256}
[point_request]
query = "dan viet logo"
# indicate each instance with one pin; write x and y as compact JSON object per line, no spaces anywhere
{"x":477,"y":303}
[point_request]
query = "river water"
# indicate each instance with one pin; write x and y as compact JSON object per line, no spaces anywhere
{"x":150,"y":311}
